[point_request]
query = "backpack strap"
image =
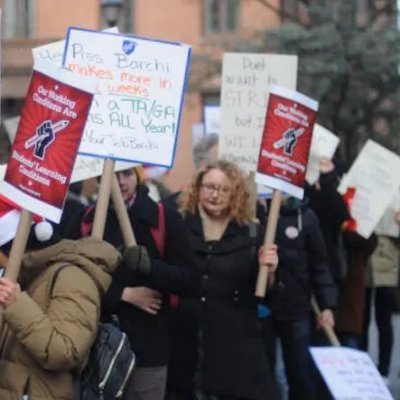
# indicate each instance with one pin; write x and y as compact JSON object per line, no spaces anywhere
{"x":159,"y":233}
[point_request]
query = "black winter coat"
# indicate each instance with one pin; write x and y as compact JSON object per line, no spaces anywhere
{"x":234,"y":359}
{"x":175,"y":273}
{"x":302,"y":266}
{"x":332,"y":212}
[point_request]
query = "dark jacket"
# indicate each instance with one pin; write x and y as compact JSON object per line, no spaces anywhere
{"x":350,"y":312}
{"x":332,"y":212}
{"x":302,"y":266}
{"x":176,"y":273}
{"x":234,"y":359}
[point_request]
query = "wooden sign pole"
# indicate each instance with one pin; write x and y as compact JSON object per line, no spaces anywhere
{"x":122,"y":214}
{"x":329,"y":332}
{"x":18,"y":246}
{"x":269,"y":239}
{"x":103,"y":199}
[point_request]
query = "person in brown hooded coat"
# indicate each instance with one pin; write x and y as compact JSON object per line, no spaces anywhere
{"x":47,"y":332}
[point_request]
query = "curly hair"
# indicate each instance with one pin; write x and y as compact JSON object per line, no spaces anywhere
{"x":240,"y":207}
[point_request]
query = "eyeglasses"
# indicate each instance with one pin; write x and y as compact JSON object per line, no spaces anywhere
{"x":210,"y":188}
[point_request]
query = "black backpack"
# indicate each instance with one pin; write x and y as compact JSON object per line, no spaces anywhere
{"x":110,"y":364}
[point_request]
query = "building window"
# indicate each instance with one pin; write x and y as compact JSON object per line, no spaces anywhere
{"x":123,"y":18}
{"x":221,"y":16}
{"x":18,"y":19}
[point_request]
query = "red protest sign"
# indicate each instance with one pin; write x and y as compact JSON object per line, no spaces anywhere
{"x":47,"y":140}
{"x":286,"y":141}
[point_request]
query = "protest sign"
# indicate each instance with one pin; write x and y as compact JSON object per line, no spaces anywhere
{"x":212,"y":119}
{"x":350,"y":374}
{"x":48,"y":136}
{"x":283,"y":156}
{"x":136,"y":112}
{"x":84,"y":167}
{"x":286,"y":141}
{"x":323,"y":144}
{"x":374,"y":175}
{"x":246,"y":79}
{"x":387,"y":225}
{"x":53,"y":52}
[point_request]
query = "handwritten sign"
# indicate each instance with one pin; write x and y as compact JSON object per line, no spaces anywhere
{"x":47,"y":140}
{"x":53,"y":52}
{"x":286,"y":141}
{"x":374,"y":175}
{"x":244,"y":97}
{"x":350,"y":374}
{"x":136,"y":114}
{"x":323,"y":144}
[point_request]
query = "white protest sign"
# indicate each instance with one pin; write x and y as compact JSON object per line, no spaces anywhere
{"x":212,"y":119}
{"x":53,"y":52}
{"x":84,"y":167}
{"x":350,"y":374}
{"x":387,"y":225}
{"x":244,"y":97}
{"x":141,"y":82}
{"x":376,"y":179}
{"x":323,"y":144}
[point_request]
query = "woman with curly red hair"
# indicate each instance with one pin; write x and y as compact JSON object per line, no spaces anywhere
{"x":228,"y":251}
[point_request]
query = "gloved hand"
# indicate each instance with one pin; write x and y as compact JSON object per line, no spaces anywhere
{"x":137,"y":259}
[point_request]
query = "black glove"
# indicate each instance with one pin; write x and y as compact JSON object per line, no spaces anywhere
{"x":137,"y":259}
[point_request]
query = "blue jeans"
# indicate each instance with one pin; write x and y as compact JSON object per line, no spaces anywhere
{"x":295,"y":337}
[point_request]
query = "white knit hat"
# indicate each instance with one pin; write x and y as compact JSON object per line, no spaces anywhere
{"x":9,"y":219}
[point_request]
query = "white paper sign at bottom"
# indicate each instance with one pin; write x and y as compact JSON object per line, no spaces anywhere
{"x":350,"y":374}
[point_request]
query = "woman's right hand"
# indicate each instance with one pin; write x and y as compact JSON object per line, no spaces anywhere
{"x":146,"y":299}
{"x":9,"y":292}
{"x":268,"y":257}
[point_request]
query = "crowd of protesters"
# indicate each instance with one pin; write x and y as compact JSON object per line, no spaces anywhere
{"x":184,"y":294}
